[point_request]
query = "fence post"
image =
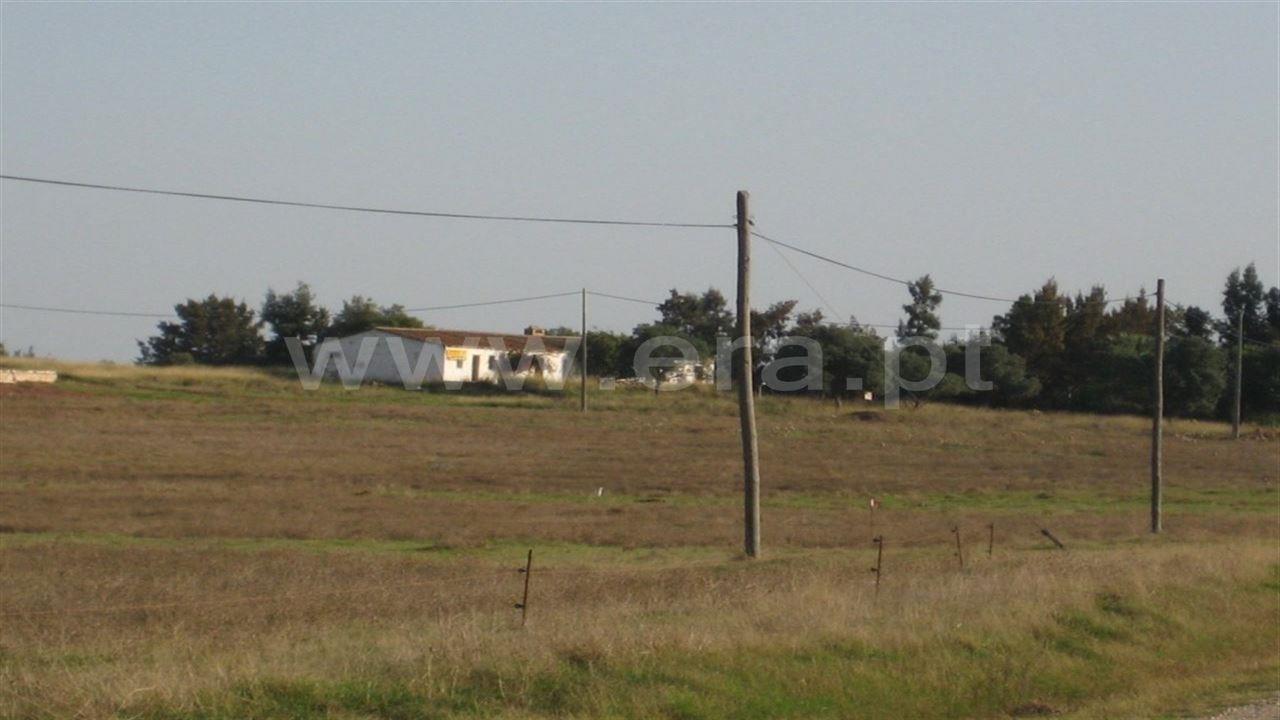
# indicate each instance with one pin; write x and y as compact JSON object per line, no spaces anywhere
{"x":523,"y":605}
{"x":878,"y":541}
{"x":1056,"y":541}
{"x":959,"y":547}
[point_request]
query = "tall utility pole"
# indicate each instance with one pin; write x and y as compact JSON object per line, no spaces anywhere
{"x":1235,"y":414}
{"x":1157,"y":423}
{"x":746,"y":398}
{"x":583,"y":389}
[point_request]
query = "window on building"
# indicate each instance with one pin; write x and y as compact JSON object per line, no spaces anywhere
{"x":458,"y":364}
{"x":493,"y":362}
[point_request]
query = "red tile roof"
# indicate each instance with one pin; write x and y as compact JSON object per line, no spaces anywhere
{"x":479,"y":339}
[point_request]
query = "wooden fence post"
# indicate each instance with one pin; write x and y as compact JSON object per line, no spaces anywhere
{"x":523,"y":605}
{"x":878,"y":541}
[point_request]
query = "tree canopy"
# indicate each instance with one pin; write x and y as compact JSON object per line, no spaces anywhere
{"x":212,"y":331}
{"x":360,"y":314}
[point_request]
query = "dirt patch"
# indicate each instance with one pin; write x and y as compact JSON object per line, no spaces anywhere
{"x":1265,"y":710}
{"x":1032,"y":709}
{"x":31,"y":390}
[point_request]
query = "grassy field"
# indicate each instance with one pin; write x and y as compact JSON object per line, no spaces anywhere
{"x":184,"y":543}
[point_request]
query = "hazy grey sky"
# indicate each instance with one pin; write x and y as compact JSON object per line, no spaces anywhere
{"x":992,"y":145}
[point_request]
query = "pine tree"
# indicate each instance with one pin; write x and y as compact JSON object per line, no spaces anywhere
{"x":922,"y":317}
{"x":1244,"y":293}
{"x":292,"y":315}
{"x":212,"y":331}
{"x":1035,"y":328}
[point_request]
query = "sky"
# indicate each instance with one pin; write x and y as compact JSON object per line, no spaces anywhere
{"x":991,"y":145}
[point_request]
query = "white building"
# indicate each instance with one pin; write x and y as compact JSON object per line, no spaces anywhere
{"x":427,"y":356}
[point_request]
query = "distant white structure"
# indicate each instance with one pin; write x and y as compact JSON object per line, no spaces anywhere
{"x":454,"y":356}
{"x":686,"y":372}
{"x":8,"y":376}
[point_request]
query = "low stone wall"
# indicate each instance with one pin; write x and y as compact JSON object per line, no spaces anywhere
{"x":9,"y":376}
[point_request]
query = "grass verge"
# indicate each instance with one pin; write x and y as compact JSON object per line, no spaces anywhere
{"x":1113,"y":656}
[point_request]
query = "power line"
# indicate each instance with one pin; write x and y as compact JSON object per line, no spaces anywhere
{"x":1225,"y":330}
{"x":824,"y":258}
{"x":492,"y":302}
{"x":77,"y":311}
{"x":1259,"y":343}
{"x":948,"y":328}
{"x":531,"y":298}
{"x":430,"y":308}
{"x":805,"y":280}
{"x":120,"y":313}
{"x":900,"y":281}
{"x":655,"y":303}
{"x":356,"y":208}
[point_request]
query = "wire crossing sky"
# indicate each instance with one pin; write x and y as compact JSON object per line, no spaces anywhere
{"x":357,"y":208}
{"x":992,"y":146}
{"x":508,"y":218}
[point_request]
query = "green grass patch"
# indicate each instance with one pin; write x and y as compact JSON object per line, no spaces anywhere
{"x":1113,"y":657}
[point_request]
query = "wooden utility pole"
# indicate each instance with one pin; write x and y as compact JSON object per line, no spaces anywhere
{"x":583,"y":392}
{"x":746,"y":378}
{"x":1157,"y":423}
{"x":1235,"y":412}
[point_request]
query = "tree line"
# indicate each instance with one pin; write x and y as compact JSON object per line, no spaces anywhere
{"x":220,"y":331}
{"x":1049,"y":350}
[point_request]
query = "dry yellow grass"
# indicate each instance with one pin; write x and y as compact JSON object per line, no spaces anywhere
{"x":351,"y":555}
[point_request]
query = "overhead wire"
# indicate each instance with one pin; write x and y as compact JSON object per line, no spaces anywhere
{"x":1219,"y":328}
{"x":904,"y":282}
{"x":812,"y":288}
{"x":79,"y":311}
{"x":485,"y":303}
{"x":625,"y":298}
{"x":1226,"y":330}
{"x":362,"y":209}
{"x":506,"y":218}
{"x":430,"y":308}
{"x":773,"y":242}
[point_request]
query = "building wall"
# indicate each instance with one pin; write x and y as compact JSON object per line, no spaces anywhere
{"x":381,"y":366}
{"x":448,"y":365}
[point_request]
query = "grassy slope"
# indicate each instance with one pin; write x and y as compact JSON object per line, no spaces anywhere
{"x":379,"y":529}
{"x":1125,"y":653}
